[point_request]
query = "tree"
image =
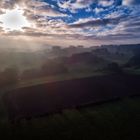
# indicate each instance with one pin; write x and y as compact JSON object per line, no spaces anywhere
{"x":8,"y":76}
{"x":54,"y":68}
{"x":134,"y":61}
{"x":114,"y":67}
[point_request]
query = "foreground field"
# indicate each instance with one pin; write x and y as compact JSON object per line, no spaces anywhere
{"x":48,"y":98}
{"x":112,"y":121}
{"x":98,"y":107}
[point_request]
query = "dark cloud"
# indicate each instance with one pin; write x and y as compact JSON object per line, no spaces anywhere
{"x":95,"y":22}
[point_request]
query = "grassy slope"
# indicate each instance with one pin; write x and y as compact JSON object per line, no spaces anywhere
{"x":49,"y":79}
{"x":133,"y":71}
{"x":111,"y":121}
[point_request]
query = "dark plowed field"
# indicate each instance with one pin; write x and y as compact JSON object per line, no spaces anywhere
{"x":54,"y":97}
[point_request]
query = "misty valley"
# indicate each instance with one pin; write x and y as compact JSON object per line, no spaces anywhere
{"x":50,"y":82}
{"x":21,"y":68}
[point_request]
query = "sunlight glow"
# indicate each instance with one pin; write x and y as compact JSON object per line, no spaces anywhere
{"x":14,"y":20}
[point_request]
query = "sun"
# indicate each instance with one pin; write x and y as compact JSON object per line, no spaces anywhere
{"x":14,"y":20}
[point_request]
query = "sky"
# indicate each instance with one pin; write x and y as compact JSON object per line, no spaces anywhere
{"x":35,"y":23}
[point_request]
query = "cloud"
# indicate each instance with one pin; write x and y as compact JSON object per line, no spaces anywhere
{"x":106,"y":3}
{"x":94,"y":22}
{"x":43,"y":8}
{"x":130,"y":2}
{"x":33,"y":6}
{"x":98,"y":10}
{"x":77,"y":20}
{"x":73,"y":6}
{"x":48,"y":11}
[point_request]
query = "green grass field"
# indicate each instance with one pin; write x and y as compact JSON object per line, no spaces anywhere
{"x":111,"y":121}
{"x":55,"y":78}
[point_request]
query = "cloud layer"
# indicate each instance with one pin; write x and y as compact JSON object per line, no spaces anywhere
{"x":99,"y":21}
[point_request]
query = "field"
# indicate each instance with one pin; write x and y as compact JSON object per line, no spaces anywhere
{"x":55,"y":78}
{"x":99,"y":107}
{"x":112,"y":121}
{"x":53,"y":97}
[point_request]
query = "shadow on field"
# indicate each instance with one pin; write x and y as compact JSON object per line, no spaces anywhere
{"x":45,"y":99}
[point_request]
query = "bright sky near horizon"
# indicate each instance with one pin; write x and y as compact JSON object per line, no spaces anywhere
{"x":68,"y":22}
